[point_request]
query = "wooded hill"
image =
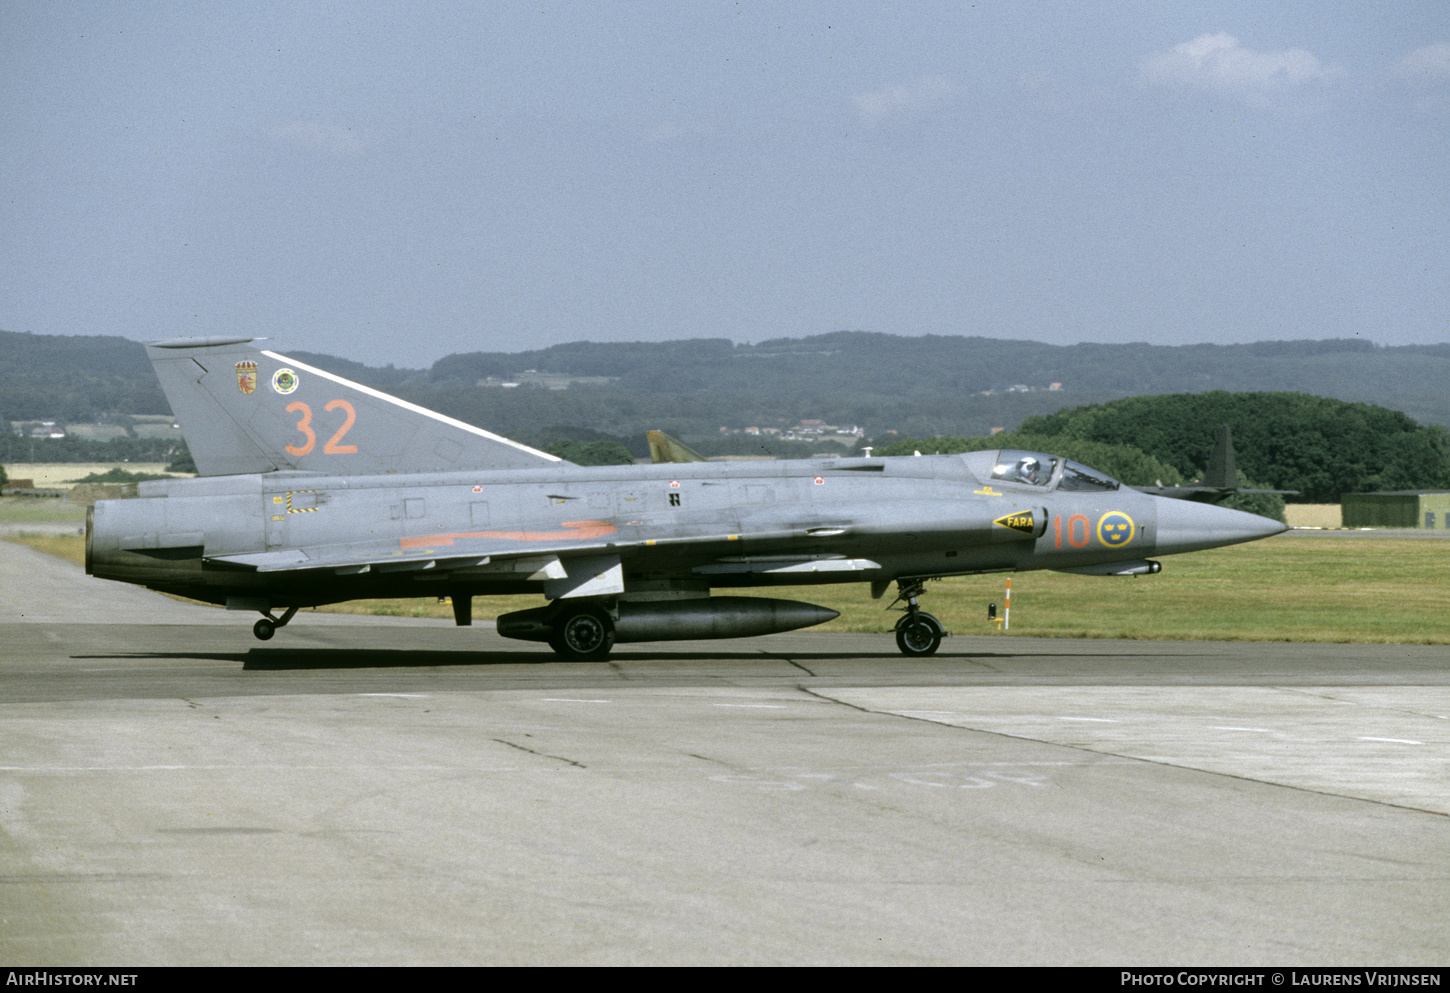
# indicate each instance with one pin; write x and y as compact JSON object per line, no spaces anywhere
{"x":1291,"y":441}
{"x":936,"y":385}
{"x":923,"y":387}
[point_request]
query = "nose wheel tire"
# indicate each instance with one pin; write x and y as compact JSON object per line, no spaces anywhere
{"x":918,"y":636}
{"x":582,"y":634}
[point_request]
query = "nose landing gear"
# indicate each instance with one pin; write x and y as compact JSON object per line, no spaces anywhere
{"x":917,"y":633}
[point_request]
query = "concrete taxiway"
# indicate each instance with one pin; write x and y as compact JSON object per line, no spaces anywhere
{"x":385,"y":791}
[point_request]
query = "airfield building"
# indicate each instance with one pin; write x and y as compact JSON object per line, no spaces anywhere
{"x":1397,"y":509}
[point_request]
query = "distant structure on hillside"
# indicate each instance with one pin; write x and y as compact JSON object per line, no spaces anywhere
{"x":37,"y":429}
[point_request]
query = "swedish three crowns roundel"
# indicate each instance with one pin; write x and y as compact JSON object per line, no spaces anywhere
{"x":1115,"y":528}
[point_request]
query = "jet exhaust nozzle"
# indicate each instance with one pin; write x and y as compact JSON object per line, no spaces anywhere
{"x":681,"y":620}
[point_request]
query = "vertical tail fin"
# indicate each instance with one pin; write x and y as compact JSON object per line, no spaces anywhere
{"x":1221,"y":470}
{"x":663,"y":448}
{"x":243,"y":409}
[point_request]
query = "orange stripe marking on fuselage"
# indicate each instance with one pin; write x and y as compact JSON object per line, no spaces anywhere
{"x":576,"y":530}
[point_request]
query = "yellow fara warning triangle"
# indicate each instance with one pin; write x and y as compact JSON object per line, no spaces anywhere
{"x":1020,"y":521}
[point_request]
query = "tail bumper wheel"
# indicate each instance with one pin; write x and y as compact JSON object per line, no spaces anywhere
{"x":268,"y":625}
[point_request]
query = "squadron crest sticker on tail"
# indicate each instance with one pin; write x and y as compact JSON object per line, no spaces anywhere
{"x":247,"y":377}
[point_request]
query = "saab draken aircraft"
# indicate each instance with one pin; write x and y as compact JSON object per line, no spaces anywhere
{"x":316,"y":490}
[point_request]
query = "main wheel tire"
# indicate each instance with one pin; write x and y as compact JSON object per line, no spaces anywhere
{"x":582,"y":634}
{"x":918,"y":637}
{"x":264,"y":629}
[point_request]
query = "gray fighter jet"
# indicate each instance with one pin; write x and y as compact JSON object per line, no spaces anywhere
{"x":317,"y":490}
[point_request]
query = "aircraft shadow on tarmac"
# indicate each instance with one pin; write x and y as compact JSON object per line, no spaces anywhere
{"x":275,"y":659}
{"x":322,"y":659}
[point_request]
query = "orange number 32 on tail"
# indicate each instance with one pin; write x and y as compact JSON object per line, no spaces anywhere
{"x":304,"y":425}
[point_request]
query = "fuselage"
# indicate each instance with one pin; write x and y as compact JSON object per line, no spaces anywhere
{"x":302,"y":539}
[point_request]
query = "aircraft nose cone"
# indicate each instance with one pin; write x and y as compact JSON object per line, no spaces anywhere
{"x":1186,"y":526}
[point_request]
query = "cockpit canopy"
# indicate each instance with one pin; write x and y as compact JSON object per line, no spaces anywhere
{"x":1050,"y":472}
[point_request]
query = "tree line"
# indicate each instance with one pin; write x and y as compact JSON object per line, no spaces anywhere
{"x":930,"y":387}
{"x":15,"y":449}
{"x":1295,"y":441}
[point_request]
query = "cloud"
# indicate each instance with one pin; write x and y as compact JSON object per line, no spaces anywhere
{"x":907,"y":100}
{"x":331,"y":138}
{"x":1217,"y":63}
{"x":1430,"y":64}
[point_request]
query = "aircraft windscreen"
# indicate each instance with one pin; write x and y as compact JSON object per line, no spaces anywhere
{"x":1032,"y":468}
{"x":1076,"y":476}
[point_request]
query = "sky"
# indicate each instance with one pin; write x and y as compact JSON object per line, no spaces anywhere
{"x":396,"y":182}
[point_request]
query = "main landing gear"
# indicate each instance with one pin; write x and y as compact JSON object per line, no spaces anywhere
{"x":582,"y":634}
{"x":917,"y":633}
{"x":268,"y":625}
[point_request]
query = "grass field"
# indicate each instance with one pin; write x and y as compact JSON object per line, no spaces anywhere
{"x":20,"y":511}
{"x":1330,"y":589}
{"x":58,"y":474}
{"x":1290,"y":588}
{"x":1312,"y":515}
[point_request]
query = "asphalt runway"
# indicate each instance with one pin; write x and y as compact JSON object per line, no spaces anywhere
{"x":382,"y":791}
